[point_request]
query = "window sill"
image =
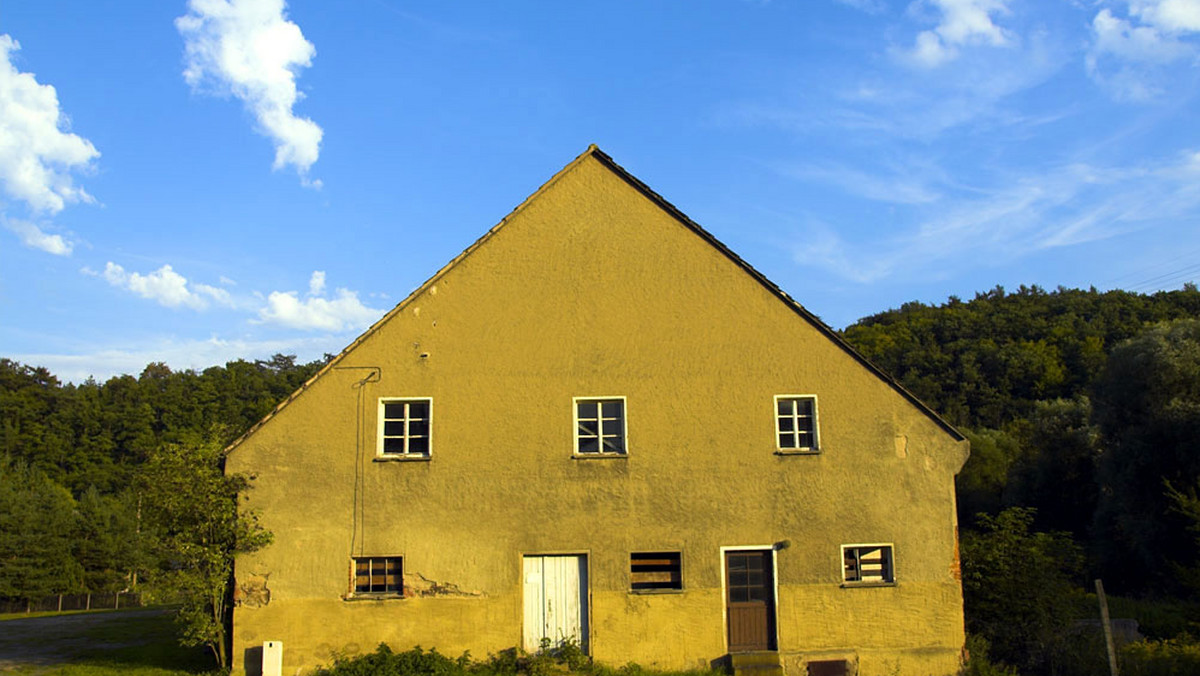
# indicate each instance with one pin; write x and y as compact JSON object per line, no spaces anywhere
{"x":802,"y":451}
{"x":858,"y":585}
{"x":382,"y":596}
{"x":401,"y":458}
{"x":655,"y":592}
{"x":599,"y":456}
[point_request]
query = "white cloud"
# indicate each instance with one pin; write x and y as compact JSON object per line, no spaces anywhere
{"x":33,"y":236}
{"x":316,"y":284}
{"x":344,"y":311}
{"x":962,"y":23}
{"x":105,"y":363}
{"x":249,"y":48}
{"x":37,"y":153}
{"x":164,"y":285}
{"x":1128,"y":55}
{"x":1168,"y":15}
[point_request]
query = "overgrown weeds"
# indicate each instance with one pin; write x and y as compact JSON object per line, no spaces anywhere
{"x":567,"y":658}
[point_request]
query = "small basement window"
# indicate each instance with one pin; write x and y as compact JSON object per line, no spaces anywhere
{"x":404,"y":427}
{"x":867,"y":564}
{"x":378,"y":575}
{"x":828,"y":668}
{"x":655,"y":571}
{"x":600,"y":426}
{"x":796,"y":423}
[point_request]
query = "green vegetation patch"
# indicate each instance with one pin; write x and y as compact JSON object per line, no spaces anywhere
{"x":567,"y":659}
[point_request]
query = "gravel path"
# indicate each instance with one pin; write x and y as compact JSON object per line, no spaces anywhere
{"x":42,"y":641}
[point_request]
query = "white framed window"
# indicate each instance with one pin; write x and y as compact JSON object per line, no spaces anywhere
{"x":405,"y":427}
{"x":868,"y":564}
{"x":600,"y":426}
{"x":796,"y":423}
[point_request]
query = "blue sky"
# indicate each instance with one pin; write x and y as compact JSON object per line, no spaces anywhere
{"x":194,"y":182}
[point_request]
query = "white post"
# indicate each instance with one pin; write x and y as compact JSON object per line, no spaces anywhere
{"x":272,"y":658}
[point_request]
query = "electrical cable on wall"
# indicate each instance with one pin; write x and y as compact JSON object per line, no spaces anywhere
{"x":358,"y":499}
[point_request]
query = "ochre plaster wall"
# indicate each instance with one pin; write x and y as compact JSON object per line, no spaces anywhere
{"x":591,"y":289}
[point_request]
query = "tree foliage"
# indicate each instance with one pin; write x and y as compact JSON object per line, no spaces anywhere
{"x":1017,"y":587}
{"x":198,"y":531}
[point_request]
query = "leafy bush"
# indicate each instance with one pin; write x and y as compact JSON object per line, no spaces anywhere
{"x":567,"y":658}
{"x":1178,"y":656}
{"x":978,"y":662}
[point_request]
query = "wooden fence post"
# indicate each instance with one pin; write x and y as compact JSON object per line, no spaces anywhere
{"x":1108,"y":637}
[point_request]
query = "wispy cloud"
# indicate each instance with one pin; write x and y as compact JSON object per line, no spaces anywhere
{"x":315,"y":312}
{"x":897,"y":186}
{"x":249,"y":48}
{"x":961,"y":23}
{"x":1071,"y":204}
{"x":868,"y":6}
{"x":38,"y":153}
{"x":34,"y":237}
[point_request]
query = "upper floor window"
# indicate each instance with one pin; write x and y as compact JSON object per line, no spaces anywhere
{"x":404,"y":426}
{"x":867,"y":564}
{"x":796,"y":422}
{"x":600,"y":426}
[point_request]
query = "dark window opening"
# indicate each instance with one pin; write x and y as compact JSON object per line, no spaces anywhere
{"x":655,"y":570}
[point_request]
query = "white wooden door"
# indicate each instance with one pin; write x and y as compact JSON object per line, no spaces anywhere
{"x":555,"y":601}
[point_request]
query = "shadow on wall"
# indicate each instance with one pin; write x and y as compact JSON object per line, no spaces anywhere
{"x":253,"y":661}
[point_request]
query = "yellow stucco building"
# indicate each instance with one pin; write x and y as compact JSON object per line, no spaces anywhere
{"x":598,"y":423}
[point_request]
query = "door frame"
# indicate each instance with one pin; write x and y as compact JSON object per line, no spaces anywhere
{"x":770,"y":549}
{"x":585,"y":616}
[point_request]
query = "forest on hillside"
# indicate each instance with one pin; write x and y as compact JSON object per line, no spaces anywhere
{"x":1082,"y":408}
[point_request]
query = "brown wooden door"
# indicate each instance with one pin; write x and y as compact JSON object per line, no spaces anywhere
{"x":750,"y":600}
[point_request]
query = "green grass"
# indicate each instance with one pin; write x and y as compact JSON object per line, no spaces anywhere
{"x":137,"y":643}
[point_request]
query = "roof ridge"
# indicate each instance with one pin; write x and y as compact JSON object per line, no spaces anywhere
{"x":594,"y":150}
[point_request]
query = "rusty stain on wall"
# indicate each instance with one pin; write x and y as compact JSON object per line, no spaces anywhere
{"x":416,"y":584}
{"x":253,"y":591}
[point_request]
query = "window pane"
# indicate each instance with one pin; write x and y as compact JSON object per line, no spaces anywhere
{"x":614,"y":445}
{"x":418,"y":445}
{"x":804,"y":407}
{"x":419,"y":428}
{"x":805,"y":440}
{"x":786,"y":424}
{"x":785,"y":407}
{"x":587,"y":428}
{"x":591,"y":445}
{"x":787,"y":441}
{"x":611,"y":409}
{"x":418,"y":409}
{"x":393,"y":410}
{"x":393,"y":428}
{"x":393,"y":445}
{"x":587,"y":409}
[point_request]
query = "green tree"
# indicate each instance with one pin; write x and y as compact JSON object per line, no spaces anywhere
{"x":38,"y":525}
{"x":198,"y":531}
{"x":1017,"y":587}
{"x":1148,"y":409}
{"x":109,"y":545}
